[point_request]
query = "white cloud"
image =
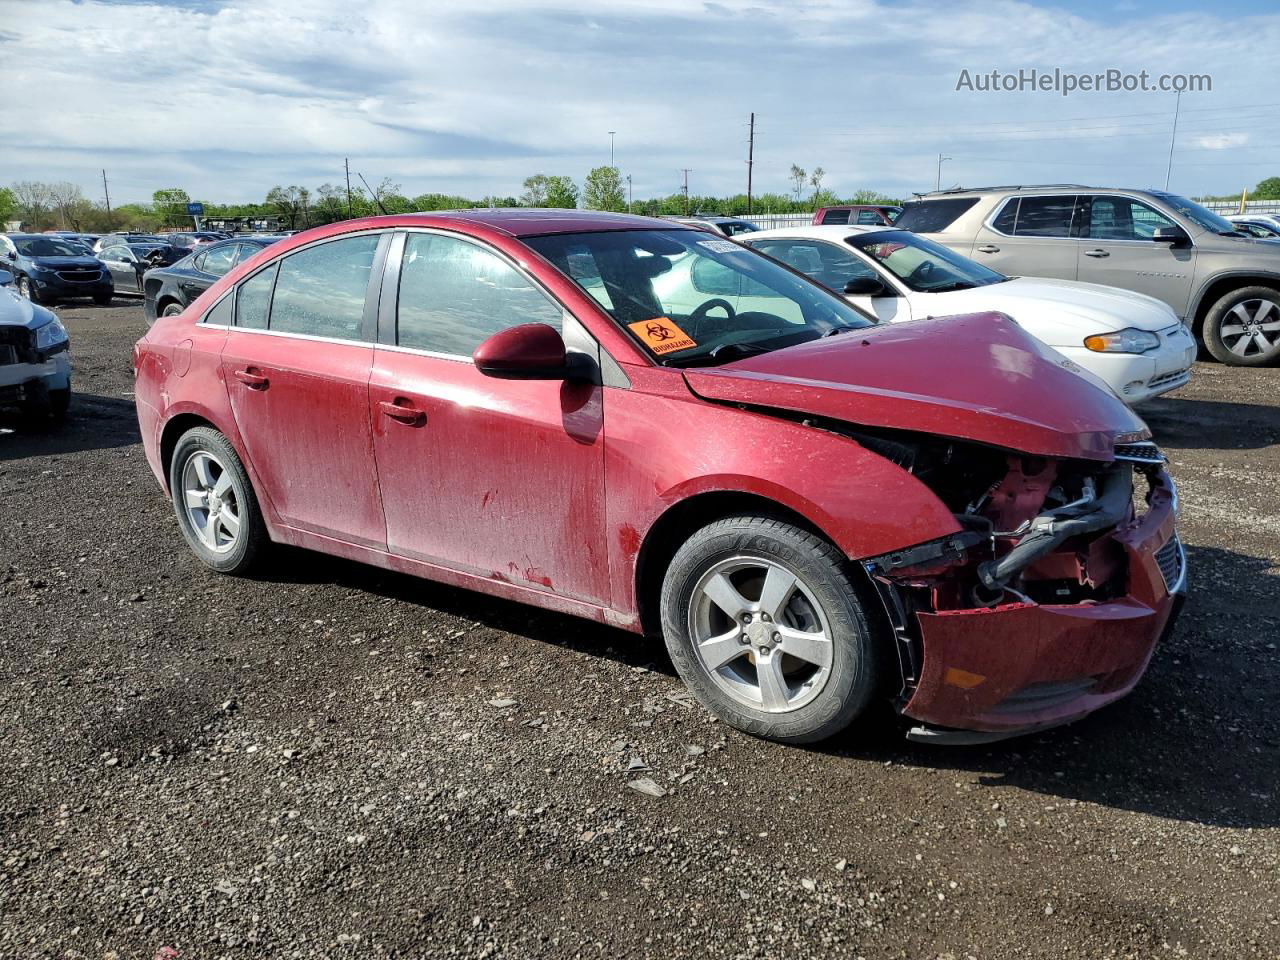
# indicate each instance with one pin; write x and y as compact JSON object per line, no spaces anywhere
{"x":230,"y":97}
{"x":1221,"y":141}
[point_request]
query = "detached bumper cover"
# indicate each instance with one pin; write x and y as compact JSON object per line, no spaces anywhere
{"x":1022,"y":667}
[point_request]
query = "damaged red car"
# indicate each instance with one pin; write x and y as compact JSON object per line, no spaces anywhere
{"x":814,"y":511}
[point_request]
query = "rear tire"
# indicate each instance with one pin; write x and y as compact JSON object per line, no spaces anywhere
{"x":171,"y":310}
{"x":1243,"y":328}
{"x":215,"y":504}
{"x":766,"y":626}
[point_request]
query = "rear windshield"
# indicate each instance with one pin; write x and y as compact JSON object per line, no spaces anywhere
{"x":932,"y":216}
{"x":690,"y":299}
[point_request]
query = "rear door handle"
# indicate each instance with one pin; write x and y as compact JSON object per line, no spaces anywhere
{"x":252,"y":379}
{"x":1099,"y":254}
{"x":988,"y":248}
{"x":401,"y":413}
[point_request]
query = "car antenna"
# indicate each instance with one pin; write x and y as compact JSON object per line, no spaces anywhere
{"x":376,"y":198}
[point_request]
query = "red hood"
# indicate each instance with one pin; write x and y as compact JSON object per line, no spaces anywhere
{"x":977,"y":377}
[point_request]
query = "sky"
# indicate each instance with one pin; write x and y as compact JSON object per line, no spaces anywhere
{"x":227,"y":98}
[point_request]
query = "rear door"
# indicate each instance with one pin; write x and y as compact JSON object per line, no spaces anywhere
{"x":1116,"y":249}
{"x":499,"y":478}
{"x":1030,"y":236}
{"x":296,"y":366}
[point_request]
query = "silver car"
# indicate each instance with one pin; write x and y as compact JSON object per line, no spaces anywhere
{"x":1223,"y":284}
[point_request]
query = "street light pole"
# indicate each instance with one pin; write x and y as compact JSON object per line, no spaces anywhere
{"x":938,"y":183}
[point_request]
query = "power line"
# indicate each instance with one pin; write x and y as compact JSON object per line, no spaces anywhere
{"x":106,"y":196}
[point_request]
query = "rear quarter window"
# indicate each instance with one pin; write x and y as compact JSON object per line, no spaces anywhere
{"x":933,"y":216}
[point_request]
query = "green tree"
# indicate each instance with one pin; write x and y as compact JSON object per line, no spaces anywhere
{"x":35,"y":204}
{"x":171,"y":205}
{"x":1268,"y":189}
{"x":8,"y":205}
{"x":815,"y":181}
{"x":798,"y":178}
{"x":535,"y":191}
{"x":602,"y":190}
{"x":290,"y":203}
{"x":562,"y":193}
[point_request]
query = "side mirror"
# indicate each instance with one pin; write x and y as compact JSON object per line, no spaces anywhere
{"x":531,"y":351}
{"x":864,"y":287}
{"x":1175,"y":236}
{"x":11,"y":254}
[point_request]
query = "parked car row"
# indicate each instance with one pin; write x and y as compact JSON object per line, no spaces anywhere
{"x":638,"y":422}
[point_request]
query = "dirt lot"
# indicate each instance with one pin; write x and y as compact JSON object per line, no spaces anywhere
{"x":319,"y":762}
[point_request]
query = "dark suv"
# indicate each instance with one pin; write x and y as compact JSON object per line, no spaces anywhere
{"x":48,"y":268}
{"x":1223,"y":283}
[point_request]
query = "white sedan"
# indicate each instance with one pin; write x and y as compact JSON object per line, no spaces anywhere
{"x":1133,"y":342}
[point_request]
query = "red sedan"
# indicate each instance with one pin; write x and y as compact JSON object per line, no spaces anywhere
{"x":813,"y":510}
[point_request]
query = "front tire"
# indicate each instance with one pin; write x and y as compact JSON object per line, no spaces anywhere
{"x":1243,"y":328}
{"x":214,"y":502}
{"x":103,"y":299}
{"x":27,"y":291}
{"x":765,"y":625}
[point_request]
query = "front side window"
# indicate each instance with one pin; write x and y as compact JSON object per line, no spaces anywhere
{"x":119,"y":252}
{"x":1122,"y":218}
{"x":218,"y":260}
{"x":692,"y":299}
{"x":921,"y":264}
{"x":455,"y":294}
{"x":321,"y":291}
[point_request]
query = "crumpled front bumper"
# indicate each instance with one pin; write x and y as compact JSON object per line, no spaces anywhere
{"x":1021,"y":667}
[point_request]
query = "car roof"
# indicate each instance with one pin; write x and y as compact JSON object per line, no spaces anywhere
{"x":828,"y":231}
{"x":528,"y":221}
{"x":1035,"y":187}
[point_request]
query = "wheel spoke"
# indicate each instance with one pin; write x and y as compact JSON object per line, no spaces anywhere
{"x":223,"y":484}
{"x":1231,"y":329}
{"x":194,"y":499}
{"x":1240,"y":311}
{"x":208,"y":532}
{"x":230,"y":522}
{"x":1272,"y":327}
{"x":776,"y":593}
{"x":723,"y":649}
{"x":726,"y":596}
{"x":1264,"y":310}
{"x":1261,"y":341}
{"x":773,"y":686}
{"x":205,"y":475}
{"x":812,"y":648}
{"x":1241,"y":345}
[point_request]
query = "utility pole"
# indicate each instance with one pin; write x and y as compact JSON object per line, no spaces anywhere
{"x":1168,"y":170}
{"x":611,"y":133}
{"x":346,"y":165}
{"x":106,"y":196}
{"x":751,"y":146}
{"x":938,"y":183}
{"x":685,"y":171}
{"x":628,"y":193}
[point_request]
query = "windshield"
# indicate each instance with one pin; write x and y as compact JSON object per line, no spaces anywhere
{"x":49,"y":247}
{"x":920,"y":263}
{"x":1198,"y":214}
{"x":693,"y":299}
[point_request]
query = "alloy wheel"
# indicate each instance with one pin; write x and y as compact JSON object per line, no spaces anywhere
{"x":212,"y":507}
{"x":24,"y":288}
{"x":1251,"y":328}
{"x":761,"y":634}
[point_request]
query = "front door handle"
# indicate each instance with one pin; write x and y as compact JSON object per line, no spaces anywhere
{"x":1098,"y":254}
{"x":402,"y":414}
{"x":988,"y":248}
{"x":252,"y":379}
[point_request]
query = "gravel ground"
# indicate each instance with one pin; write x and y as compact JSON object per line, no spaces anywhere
{"x":338,"y":761}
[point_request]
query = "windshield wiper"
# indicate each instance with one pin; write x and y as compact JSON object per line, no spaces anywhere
{"x":949,"y":287}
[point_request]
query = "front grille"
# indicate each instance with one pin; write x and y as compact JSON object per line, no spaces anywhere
{"x":20,"y":342}
{"x":1172,"y":563}
{"x":80,"y":274}
{"x":1177,"y":376}
{"x":1145,"y":452}
{"x":1042,"y":696}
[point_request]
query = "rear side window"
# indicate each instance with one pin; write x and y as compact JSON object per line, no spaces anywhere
{"x":455,"y":294}
{"x":218,"y":260}
{"x":870,"y":217}
{"x":222,"y":314}
{"x":1037,"y":217}
{"x":836,"y":216}
{"x":933,"y":216}
{"x":253,"y":299}
{"x":321,"y":291}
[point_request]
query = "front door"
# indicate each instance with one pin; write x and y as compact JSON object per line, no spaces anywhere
{"x":296,"y":366}
{"x":1116,"y":249}
{"x":122,"y":264}
{"x":500,"y":478}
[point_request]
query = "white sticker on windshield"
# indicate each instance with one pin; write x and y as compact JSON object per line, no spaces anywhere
{"x":721,"y":246}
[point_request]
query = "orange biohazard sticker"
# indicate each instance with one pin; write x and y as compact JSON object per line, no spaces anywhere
{"x":661,"y":335}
